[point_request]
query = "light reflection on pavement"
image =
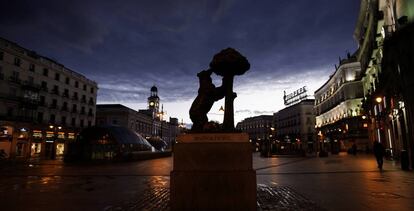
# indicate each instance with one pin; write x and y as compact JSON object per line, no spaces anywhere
{"x":341,"y":182}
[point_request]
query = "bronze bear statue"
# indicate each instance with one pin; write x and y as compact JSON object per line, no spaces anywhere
{"x":208,"y":93}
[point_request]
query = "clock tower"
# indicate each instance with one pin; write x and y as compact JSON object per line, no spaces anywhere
{"x":154,"y":101}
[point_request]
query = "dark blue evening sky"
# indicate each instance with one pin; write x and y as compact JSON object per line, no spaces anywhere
{"x":127,"y":46}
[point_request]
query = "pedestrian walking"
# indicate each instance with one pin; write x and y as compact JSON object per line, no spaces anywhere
{"x":379,"y":153}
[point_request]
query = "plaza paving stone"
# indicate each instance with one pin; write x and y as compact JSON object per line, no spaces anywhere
{"x":339,"y":182}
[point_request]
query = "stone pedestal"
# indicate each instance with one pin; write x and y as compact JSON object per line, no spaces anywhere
{"x":213,"y":172}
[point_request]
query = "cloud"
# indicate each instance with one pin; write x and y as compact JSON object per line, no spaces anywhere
{"x":131,"y":45}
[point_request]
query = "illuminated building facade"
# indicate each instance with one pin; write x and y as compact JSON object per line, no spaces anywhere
{"x":43,"y":104}
{"x":295,"y":125}
{"x":149,"y":123}
{"x":384,"y":33}
{"x":258,"y":127}
{"x":340,"y":120}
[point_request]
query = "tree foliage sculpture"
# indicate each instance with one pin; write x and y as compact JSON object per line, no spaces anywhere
{"x":229,"y":63}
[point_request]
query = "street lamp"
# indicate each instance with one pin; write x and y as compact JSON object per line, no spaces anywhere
{"x":378,"y":99}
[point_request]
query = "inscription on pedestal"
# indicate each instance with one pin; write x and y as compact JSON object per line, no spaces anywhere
{"x":213,"y":137}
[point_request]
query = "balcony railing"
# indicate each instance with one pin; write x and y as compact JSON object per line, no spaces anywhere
{"x":75,"y":97}
{"x":31,"y":85}
{"x":15,"y":80}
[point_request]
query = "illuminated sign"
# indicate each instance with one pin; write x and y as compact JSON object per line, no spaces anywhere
{"x":61,"y":135}
{"x":71,"y":136}
{"x":49,"y":134}
{"x":37,"y":134}
{"x":295,"y":97}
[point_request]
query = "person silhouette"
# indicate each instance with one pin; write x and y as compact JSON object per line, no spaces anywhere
{"x":379,"y":153}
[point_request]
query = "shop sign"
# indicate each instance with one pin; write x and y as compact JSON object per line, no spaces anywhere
{"x":49,"y":134}
{"x":71,"y":135}
{"x":295,"y":96}
{"x":37,"y":134}
{"x":61,"y":135}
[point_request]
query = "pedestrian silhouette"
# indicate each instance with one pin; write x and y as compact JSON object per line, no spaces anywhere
{"x":379,"y":152}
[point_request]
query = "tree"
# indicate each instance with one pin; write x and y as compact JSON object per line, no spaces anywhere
{"x":229,"y":63}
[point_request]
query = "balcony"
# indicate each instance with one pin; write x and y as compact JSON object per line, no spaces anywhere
{"x":29,"y":103}
{"x":83,"y":100}
{"x":74,"y":111}
{"x":65,"y":108}
{"x":14,"y":79}
{"x":75,"y":97}
{"x":91,"y":102}
{"x":31,"y":86}
{"x":83,"y":112}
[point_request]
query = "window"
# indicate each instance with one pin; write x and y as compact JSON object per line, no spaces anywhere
{"x":74,"y":108}
{"x":76,"y":84}
{"x":66,"y":93}
{"x":84,"y":87}
{"x":52,"y":118}
{"x":57,"y":76}
{"x":32,"y":67}
{"x":82,"y":110}
{"x":30,"y":79}
{"x":67,"y":81}
{"x":55,"y":89}
{"x":63,"y":120}
{"x":65,"y":106}
{"x":89,"y":123}
{"x":40,"y":117}
{"x":81,"y":123}
{"x":54,"y":103}
{"x":73,"y":123}
{"x":1,"y":55}
{"x":42,"y":99}
{"x":15,"y":74}
{"x":92,"y":90}
{"x":75,"y":95}
{"x":45,"y":72}
{"x":17,"y":61}
{"x":44,"y":85}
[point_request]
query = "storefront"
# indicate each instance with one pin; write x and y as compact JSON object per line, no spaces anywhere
{"x":5,"y":141}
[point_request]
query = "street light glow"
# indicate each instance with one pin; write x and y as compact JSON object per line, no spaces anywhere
{"x":378,"y":99}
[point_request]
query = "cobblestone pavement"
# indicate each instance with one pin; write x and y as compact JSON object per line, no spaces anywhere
{"x":268,"y":198}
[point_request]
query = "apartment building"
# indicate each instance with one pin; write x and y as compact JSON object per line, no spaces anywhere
{"x":43,"y":104}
